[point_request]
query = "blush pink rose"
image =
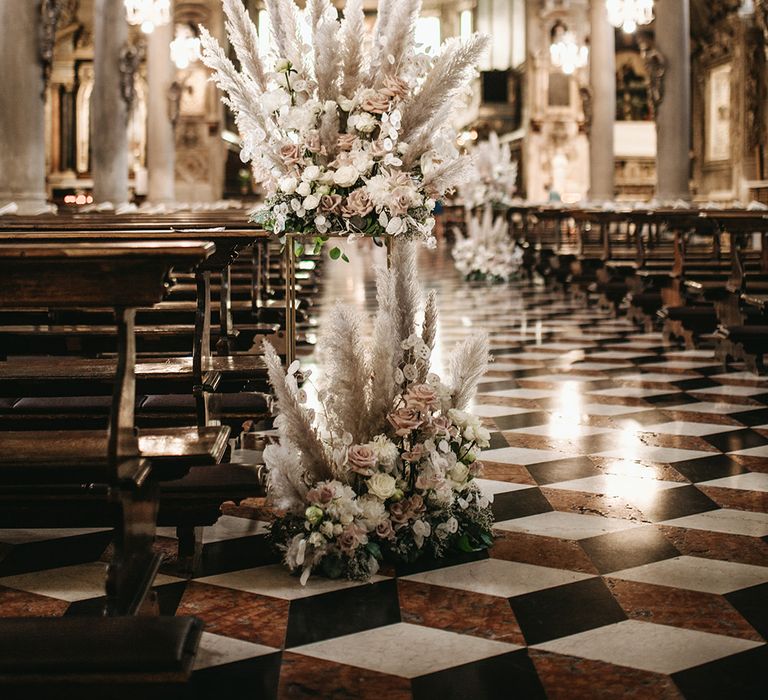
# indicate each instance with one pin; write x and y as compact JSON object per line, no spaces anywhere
{"x":394,"y":87}
{"x":361,"y":459}
{"x":331,"y":203}
{"x":414,"y":454}
{"x":290,"y":153}
{"x":384,"y":530}
{"x":346,"y":141}
{"x":404,"y":420}
{"x":421,"y":397}
{"x":358,"y":203}
{"x":377,"y":103}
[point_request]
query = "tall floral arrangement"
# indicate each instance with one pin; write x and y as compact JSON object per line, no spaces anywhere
{"x":349,"y":132}
{"x":494,"y":175}
{"x":487,"y":253}
{"x":387,"y":467}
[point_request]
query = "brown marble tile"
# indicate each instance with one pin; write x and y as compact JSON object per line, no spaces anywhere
{"x":246,"y":616}
{"x":754,"y":464}
{"x":513,"y":473}
{"x":304,"y":677}
{"x":464,"y":612}
{"x":738,"y":499}
{"x":538,"y":442}
{"x":702,"y":395}
{"x":571,"y":678}
{"x":681,"y":442}
{"x":692,"y":417}
{"x":543,"y":551}
{"x":618,"y":401}
{"x":717,"y":545}
{"x":663,"y":472}
{"x":252,"y":508}
{"x":510,"y":401}
{"x":593,"y":504}
{"x":704,"y":612}
{"x":15,"y":603}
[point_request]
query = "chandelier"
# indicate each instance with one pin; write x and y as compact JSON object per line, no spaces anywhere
{"x":185,"y":47}
{"x":629,"y":14}
{"x":564,"y":52}
{"x":148,"y":14}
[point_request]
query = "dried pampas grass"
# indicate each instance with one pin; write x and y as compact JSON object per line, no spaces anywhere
{"x":468,"y":363}
{"x":295,"y":421}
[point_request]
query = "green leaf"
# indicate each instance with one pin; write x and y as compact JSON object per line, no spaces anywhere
{"x":487,"y":538}
{"x":335,"y":253}
{"x":344,"y":257}
{"x":377,"y":241}
{"x":374,"y":549}
{"x":463,"y":543}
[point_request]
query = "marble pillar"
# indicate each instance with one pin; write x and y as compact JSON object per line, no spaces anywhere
{"x":602,"y":83}
{"x":161,"y":143}
{"x":109,"y":115}
{"x":673,"y":119}
{"x":22,"y":107}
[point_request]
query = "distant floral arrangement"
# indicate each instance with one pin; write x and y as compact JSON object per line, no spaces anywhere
{"x":349,"y":133}
{"x":494,"y":175}
{"x":487,"y":252}
{"x":387,"y":469}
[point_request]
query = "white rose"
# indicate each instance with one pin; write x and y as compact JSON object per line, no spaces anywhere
{"x":304,"y":189}
{"x":459,"y":473}
{"x":346,"y":176}
{"x":311,"y":202}
{"x":282,"y":65}
{"x":382,"y":485}
{"x":287,"y":185}
{"x":311,"y":172}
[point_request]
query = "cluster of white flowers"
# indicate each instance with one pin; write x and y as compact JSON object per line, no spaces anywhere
{"x":494,"y":177}
{"x":407,"y":490}
{"x":487,"y":252}
{"x":335,"y":131}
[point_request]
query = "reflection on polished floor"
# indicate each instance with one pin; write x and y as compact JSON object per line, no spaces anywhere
{"x":630,"y":486}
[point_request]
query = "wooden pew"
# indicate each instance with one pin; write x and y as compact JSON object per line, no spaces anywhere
{"x":65,"y":465}
{"x":66,"y":472}
{"x":206,"y":370}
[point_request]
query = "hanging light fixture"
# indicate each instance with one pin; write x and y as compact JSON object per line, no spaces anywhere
{"x":185,"y":47}
{"x":564,"y":52}
{"x":148,"y":14}
{"x":629,"y":14}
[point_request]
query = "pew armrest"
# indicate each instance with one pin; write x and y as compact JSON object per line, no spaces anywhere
{"x":108,"y":649}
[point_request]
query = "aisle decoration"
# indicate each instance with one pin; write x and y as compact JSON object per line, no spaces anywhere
{"x":487,"y":253}
{"x":494,"y":175}
{"x":350,"y":133}
{"x":386,"y":469}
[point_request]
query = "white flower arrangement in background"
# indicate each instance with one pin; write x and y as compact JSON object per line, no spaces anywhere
{"x":487,"y":252}
{"x":350,"y":134}
{"x":494,"y":175}
{"x":386,"y":469}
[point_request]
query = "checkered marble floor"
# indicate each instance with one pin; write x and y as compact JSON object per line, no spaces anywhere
{"x":630,"y":485}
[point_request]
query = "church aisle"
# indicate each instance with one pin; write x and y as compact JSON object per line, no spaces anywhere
{"x":630,"y":486}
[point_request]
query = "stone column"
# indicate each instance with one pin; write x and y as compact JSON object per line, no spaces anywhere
{"x":109,"y":113}
{"x":602,"y":78}
{"x":22,"y":106}
{"x":161,"y":144}
{"x":673,"y":119}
